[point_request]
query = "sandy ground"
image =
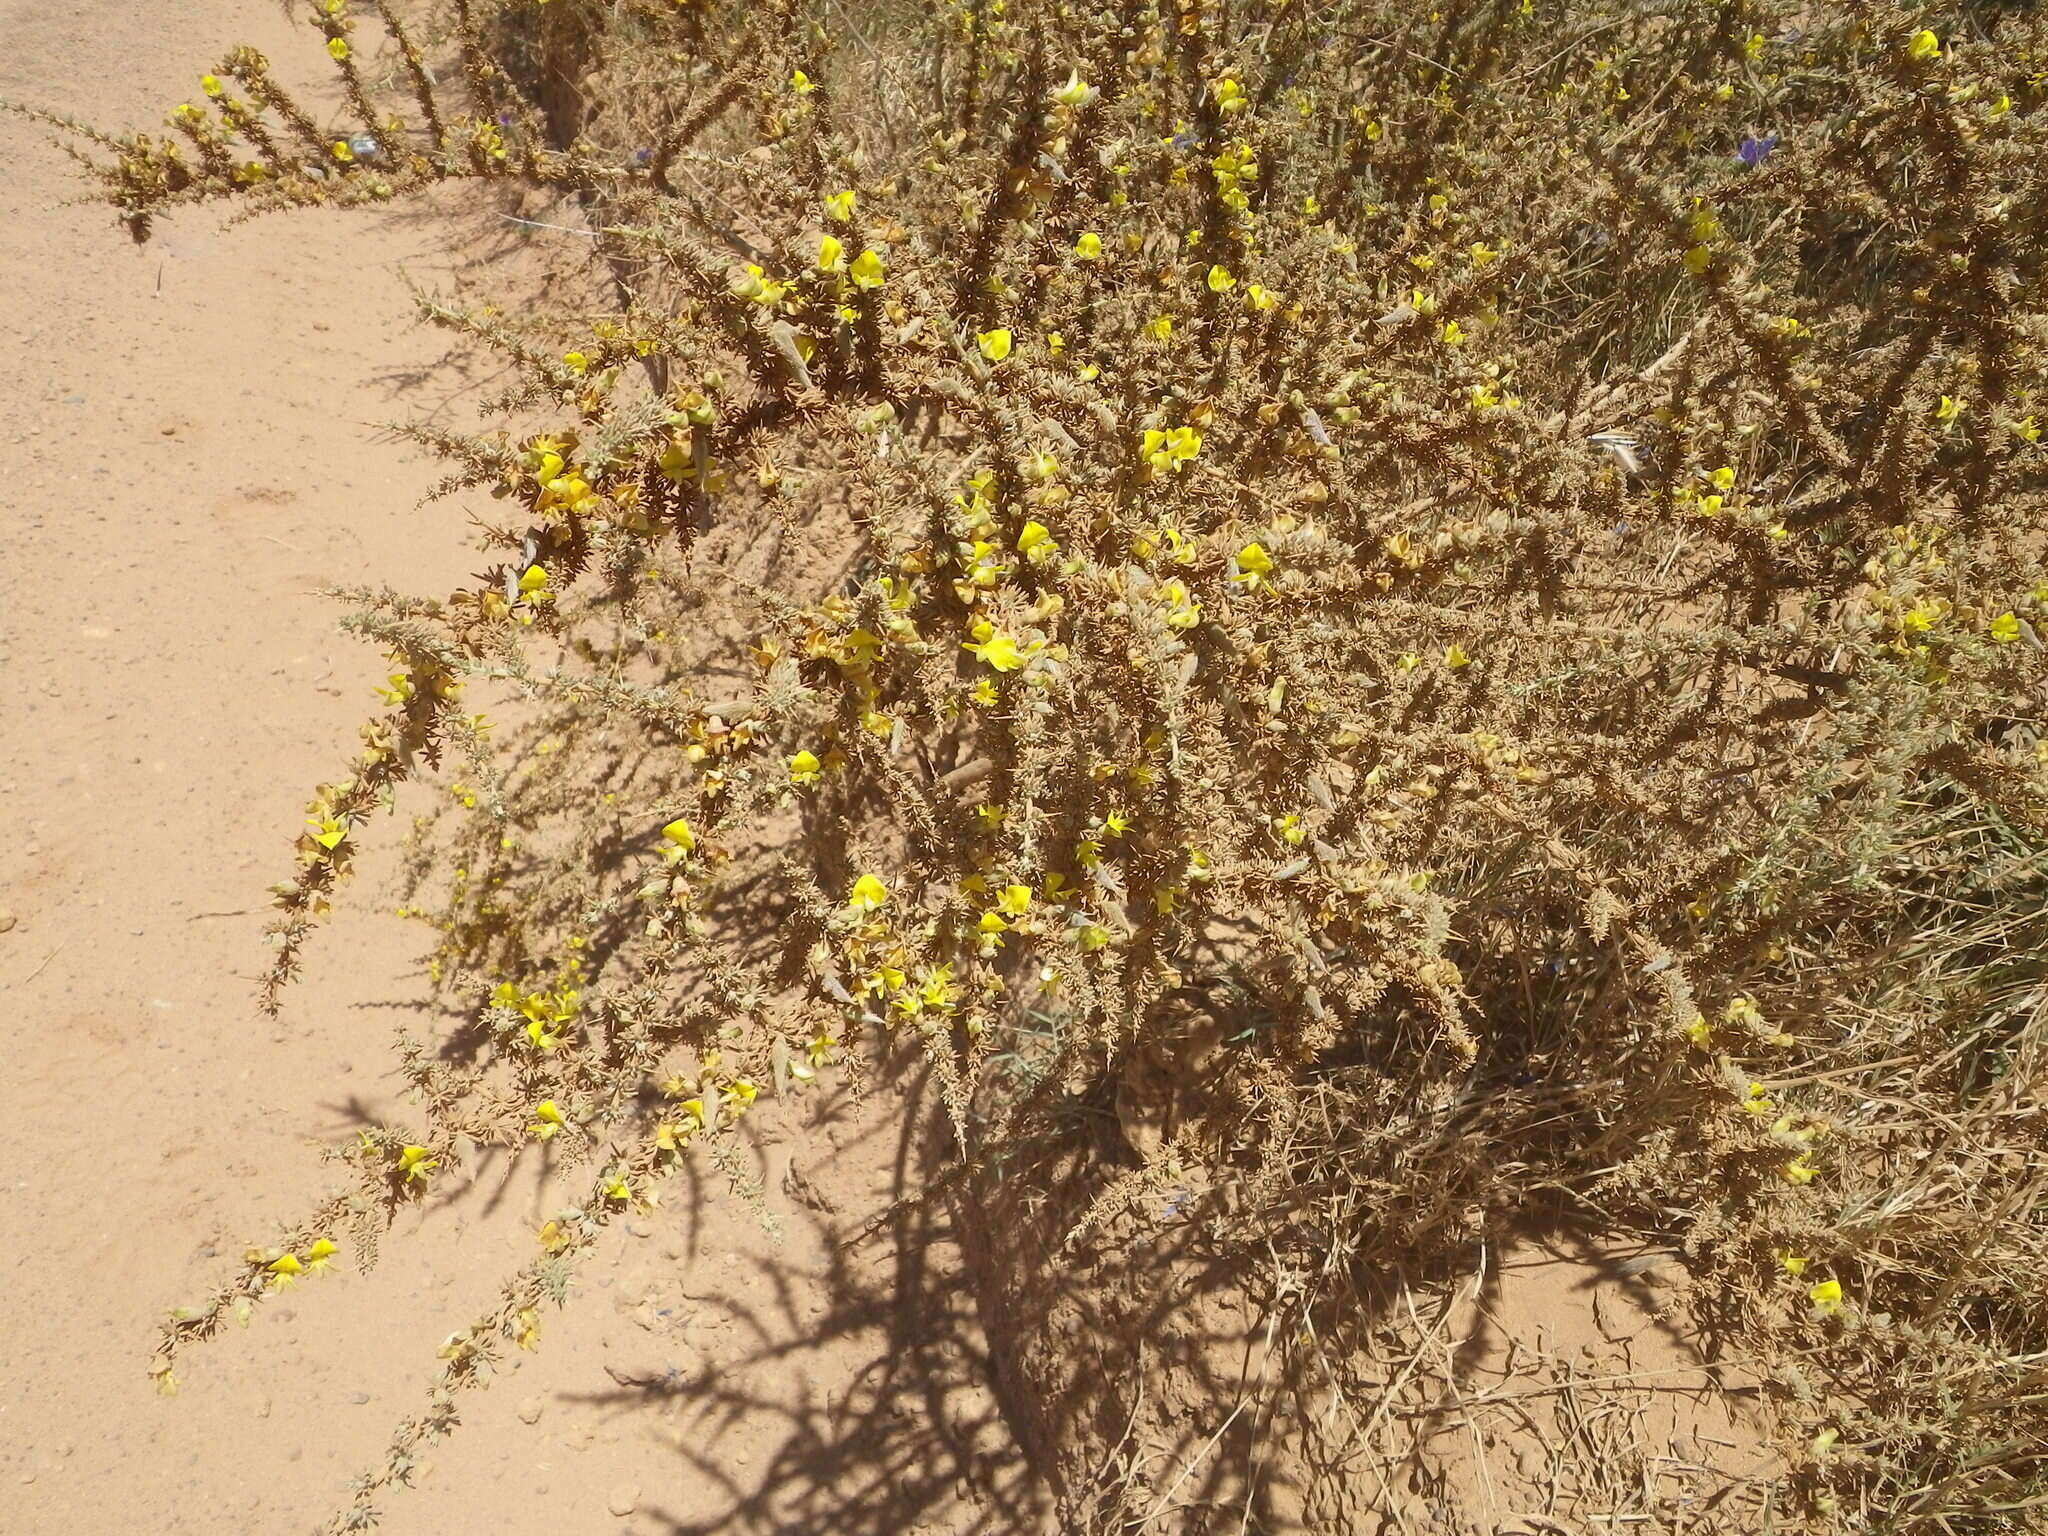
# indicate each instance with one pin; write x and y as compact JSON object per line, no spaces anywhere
{"x":196,"y":452}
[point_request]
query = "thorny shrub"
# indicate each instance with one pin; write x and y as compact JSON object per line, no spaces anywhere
{"x":1505,"y":540}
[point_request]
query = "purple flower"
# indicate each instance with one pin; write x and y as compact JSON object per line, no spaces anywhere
{"x":1752,"y":151}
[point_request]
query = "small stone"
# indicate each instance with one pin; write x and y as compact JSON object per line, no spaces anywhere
{"x":359,"y":1398}
{"x":7,"y":919}
{"x":624,"y":1500}
{"x":530,"y":1410}
{"x":640,"y":1228}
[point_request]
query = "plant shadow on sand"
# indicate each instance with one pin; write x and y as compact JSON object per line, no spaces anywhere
{"x":891,"y":1364}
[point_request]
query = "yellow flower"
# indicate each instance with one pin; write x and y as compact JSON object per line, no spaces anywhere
{"x":1925,"y":613}
{"x":1791,"y":1262}
{"x":1089,"y":246}
{"x":1220,"y":280}
{"x":1723,"y":478}
{"x":1697,"y":259}
{"x":2005,"y":629}
{"x":1258,"y":298}
{"x":1924,"y":46}
{"x":831,"y":254}
{"x":341,"y":151}
{"x":994,"y":647}
{"x":1453,"y":334}
{"x":533,"y":579}
{"x":1455,"y":657}
{"x":1230,"y":97}
{"x":867,"y":271}
{"x":868,"y":894}
{"x":1116,"y":823}
{"x":1254,"y":565}
{"x":576,"y":362}
{"x":526,"y":1328}
{"x":284,"y":1269}
{"x":616,"y":1188}
{"x":1170,"y":449}
{"x":678,"y":833}
{"x":1826,"y":1297}
{"x":2027,"y":430}
{"x":337,"y":48}
{"x":1014,"y":900}
{"x":547,"y":1120}
{"x":1949,"y":409}
{"x":210,"y":84}
{"x":995,"y":344}
{"x":1076,"y":92}
{"x":1483,"y":254}
{"x":1798,"y":1171}
{"x":554,"y":1237}
{"x":328,"y":832}
{"x":319,"y":1254}
{"x":839,"y":205}
{"x":739,"y":1094}
{"x":1036,"y":542}
{"x":801,"y":83}
{"x":415,"y":1164}
{"x":804,"y":768}
{"x":1159,"y":327}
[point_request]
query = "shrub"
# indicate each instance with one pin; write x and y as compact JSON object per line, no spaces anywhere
{"x":1495,"y":553}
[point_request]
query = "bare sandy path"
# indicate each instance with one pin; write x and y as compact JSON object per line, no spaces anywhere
{"x":192,"y":457}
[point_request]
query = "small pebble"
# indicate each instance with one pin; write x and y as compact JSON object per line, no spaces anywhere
{"x":530,"y":1410}
{"x":359,"y":1398}
{"x":624,"y":1500}
{"x":7,"y":919}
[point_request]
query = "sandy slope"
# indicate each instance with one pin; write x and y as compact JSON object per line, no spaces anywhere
{"x":195,"y":453}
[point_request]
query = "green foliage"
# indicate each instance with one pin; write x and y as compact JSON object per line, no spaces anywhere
{"x":1436,"y":533}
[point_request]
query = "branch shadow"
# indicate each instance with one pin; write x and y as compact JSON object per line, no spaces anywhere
{"x":859,"y":1401}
